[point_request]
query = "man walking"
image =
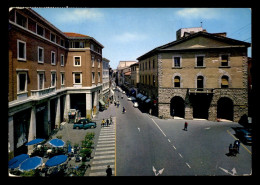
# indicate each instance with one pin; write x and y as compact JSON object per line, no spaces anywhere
{"x":109,"y":171}
{"x":185,"y":126}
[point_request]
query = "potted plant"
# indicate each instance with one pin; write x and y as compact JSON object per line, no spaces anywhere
{"x":85,"y":153}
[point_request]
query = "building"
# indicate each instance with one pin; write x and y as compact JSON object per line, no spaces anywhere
{"x":106,"y":80}
{"x":200,"y":75}
{"x":50,"y":72}
{"x":123,"y":67}
{"x":134,"y":79}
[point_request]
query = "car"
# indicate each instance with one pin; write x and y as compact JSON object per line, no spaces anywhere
{"x":84,"y":124}
{"x":131,"y":98}
{"x":135,"y":104}
{"x":244,"y":135}
{"x":123,"y":92}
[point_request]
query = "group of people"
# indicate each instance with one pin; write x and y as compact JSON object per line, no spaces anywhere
{"x":108,"y":121}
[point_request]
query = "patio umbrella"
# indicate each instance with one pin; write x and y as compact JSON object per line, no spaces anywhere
{"x":30,"y":163}
{"x":16,"y":161}
{"x":56,"y":160}
{"x":56,"y":143}
{"x":35,"y":141}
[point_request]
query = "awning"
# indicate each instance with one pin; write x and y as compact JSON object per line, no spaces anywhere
{"x":143,"y":98}
{"x":148,"y":100}
{"x":101,"y":102}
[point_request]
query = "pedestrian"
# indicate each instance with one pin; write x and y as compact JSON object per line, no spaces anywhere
{"x":230,"y":149}
{"x":186,"y":126}
{"x":109,"y":171}
{"x":103,"y":123}
{"x":111,"y":120}
{"x":124,"y":110}
{"x":107,"y":122}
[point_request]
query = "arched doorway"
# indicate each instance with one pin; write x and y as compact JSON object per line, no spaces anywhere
{"x":177,"y":107}
{"x":225,"y":108}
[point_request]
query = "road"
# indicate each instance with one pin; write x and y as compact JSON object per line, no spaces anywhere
{"x":145,"y":145}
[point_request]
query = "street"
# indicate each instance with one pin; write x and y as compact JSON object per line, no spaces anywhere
{"x":146,"y":145}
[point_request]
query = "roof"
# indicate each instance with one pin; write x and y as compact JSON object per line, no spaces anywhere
{"x":71,"y":34}
{"x":201,"y":33}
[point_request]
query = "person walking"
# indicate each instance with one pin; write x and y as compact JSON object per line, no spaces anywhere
{"x":237,"y":145}
{"x":111,"y":120}
{"x":109,"y":171}
{"x":124,"y":110}
{"x":186,"y":126}
{"x":103,"y":123}
{"x":107,"y":122}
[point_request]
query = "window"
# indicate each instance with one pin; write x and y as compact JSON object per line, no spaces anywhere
{"x":21,"y":50}
{"x":53,"y":37}
{"x":93,"y":61}
{"x":99,"y":63}
{"x":93,"y":77}
{"x":40,"y":30}
{"x":40,"y":55}
{"x":21,"y":20}
{"x":22,"y":82}
{"x":224,"y":60}
{"x":62,"y":42}
{"x":153,"y":64}
{"x":62,"y":76}
{"x":77,"y":78}
{"x":40,"y":80}
{"x":153,"y":80}
{"x":200,"y":61}
{"x":177,"y":81}
{"x":81,"y":45}
{"x":53,"y":79}
{"x":98,"y":76}
{"x":224,"y":81}
{"x":200,"y":83}
{"x":177,"y":61}
{"x":77,"y":61}
{"x":53,"y":58}
{"x":62,"y":60}
{"x":149,"y":64}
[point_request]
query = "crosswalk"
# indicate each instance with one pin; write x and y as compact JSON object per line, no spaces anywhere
{"x":105,"y":152}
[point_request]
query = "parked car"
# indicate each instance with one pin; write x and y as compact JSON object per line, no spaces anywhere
{"x":244,"y":135}
{"x":135,"y":104}
{"x":84,"y":123}
{"x":131,"y":98}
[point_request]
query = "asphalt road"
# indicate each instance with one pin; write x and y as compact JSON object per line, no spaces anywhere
{"x":148,"y":146}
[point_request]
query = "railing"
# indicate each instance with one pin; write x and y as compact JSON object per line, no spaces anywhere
{"x":42,"y":92}
{"x":201,"y":90}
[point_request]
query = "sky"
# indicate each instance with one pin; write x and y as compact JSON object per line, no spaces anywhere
{"x":127,"y":33}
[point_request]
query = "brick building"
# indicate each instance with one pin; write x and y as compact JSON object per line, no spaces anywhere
{"x":200,"y":75}
{"x":50,"y":72}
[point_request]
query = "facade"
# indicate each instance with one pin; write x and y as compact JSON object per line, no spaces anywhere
{"x":123,"y":66}
{"x":105,"y":80}
{"x":135,"y":75}
{"x":50,"y":72}
{"x":200,"y":75}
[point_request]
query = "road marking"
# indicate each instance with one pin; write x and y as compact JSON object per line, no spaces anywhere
{"x":240,"y":142}
{"x":105,"y":148}
{"x":105,"y":152}
{"x":158,"y":127}
{"x":139,"y":129}
{"x":103,"y":142}
{"x":104,"y":157}
{"x":180,"y":155}
{"x":159,"y":172}
{"x":104,"y":161}
{"x":98,"y":174}
{"x":106,"y":145}
{"x":234,"y":172}
{"x":169,"y":140}
{"x":188,"y":165}
{"x":101,"y":167}
{"x":174,"y":147}
{"x":106,"y":139}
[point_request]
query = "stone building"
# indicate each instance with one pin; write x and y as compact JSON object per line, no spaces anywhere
{"x":50,"y":72}
{"x":200,"y":75}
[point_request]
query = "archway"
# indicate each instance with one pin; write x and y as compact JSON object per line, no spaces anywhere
{"x":177,"y":107}
{"x":225,"y":108}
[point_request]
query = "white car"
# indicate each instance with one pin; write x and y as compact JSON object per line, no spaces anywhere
{"x":131,"y":98}
{"x":135,"y":104}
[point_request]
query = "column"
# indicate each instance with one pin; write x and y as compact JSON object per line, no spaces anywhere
{"x":32,"y":128}
{"x":49,"y":116}
{"x":11,"y":136}
{"x":188,"y":112}
{"x":89,"y":105}
{"x":57,"y":116}
{"x":212,"y":113}
{"x":95,"y":103}
{"x":67,"y":106}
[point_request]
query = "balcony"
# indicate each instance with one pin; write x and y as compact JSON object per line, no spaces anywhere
{"x":201,"y":91}
{"x":43,"y":92}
